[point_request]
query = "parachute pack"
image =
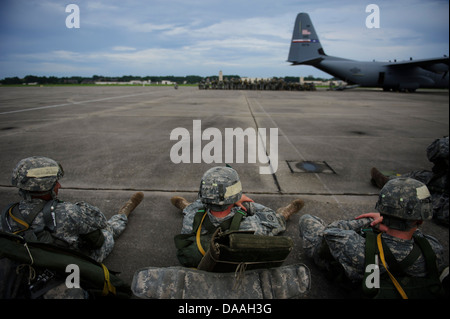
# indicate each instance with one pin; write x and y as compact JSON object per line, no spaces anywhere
{"x":29,"y":269}
{"x":225,"y":248}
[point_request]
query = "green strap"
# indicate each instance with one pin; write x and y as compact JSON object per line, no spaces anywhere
{"x":197,"y":220}
{"x":370,"y":251}
{"x":430,"y":256}
{"x":397,"y":267}
{"x":394,"y":265}
{"x":411,"y":258}
{"x":229,"y":224}
{"x":200,"y":220}
{"x":422,"y":246}
{"x":237,"y":218}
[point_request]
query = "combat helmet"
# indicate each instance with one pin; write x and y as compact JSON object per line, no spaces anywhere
{"x":220,"y":187}
{"x":403,"y":200}
{"x":36,"y":174}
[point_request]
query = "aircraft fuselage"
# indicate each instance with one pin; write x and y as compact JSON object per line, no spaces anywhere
{"x":379,"y":74}
{"x":409,"y":75}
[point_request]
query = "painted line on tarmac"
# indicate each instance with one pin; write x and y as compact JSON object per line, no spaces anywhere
{"x":74,"y":103}
{"x":298,"y":152}
{"x":275,"y":179}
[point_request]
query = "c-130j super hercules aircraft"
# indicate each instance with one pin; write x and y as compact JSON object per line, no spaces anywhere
{"x":408,"y":75}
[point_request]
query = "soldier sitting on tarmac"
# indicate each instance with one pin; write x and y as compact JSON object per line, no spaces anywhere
{"x":340,"y":247}
{"x":436,"y":179}
{"x":221,"y":201}
{"x":41,"y":216}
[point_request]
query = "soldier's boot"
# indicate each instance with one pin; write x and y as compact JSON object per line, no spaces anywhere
{"x":179,"y":202}
{"x":131,"y":204}
{"x":291,"y":209}
{"x":378,"y":179}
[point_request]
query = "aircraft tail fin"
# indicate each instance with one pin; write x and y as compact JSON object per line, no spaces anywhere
{"x":305,"y":45}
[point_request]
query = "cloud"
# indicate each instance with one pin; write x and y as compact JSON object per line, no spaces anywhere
{"x":257,"y":26}
{"x":198,"y":37}
{"x":145,"y":27}
{"x":123,"y":48}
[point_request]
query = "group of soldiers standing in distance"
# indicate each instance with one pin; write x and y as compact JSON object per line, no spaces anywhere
{"x":274,"y":84}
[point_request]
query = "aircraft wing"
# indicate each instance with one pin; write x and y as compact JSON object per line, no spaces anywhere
{"x":437,"y":65}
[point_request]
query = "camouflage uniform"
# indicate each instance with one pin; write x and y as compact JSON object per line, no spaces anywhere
{"x":402,"y":202}
{"x":79,"y":226}
{"x":347,"y":245}
{"x":264,"y":220}
{"x":439,"y":192}
{"x":41,"y":217}
{"x":220,"y":194}
{"x":221,"y":187}
{"x":73,"y":221}
{"x":437,"y":179}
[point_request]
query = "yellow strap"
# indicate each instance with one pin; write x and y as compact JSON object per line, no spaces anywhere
{"x":107,"y":287}
{"x":197,"y":237}
{"x":19,"y":221}
{"x":396,"y":284}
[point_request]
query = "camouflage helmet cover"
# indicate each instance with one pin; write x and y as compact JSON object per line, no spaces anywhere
{"x":220,"y":186}
{"x":36,"y":174}
{"x":406,"y":199}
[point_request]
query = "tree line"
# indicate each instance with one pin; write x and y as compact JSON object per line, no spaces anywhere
{"x":189,"y":79}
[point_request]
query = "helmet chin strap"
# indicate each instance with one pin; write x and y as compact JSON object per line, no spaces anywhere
{"x":45,"y":195}
{"x":399,"y":224}
{"x":218,"y":208}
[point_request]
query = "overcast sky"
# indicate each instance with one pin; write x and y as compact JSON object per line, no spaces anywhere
{"x":202,"y":37}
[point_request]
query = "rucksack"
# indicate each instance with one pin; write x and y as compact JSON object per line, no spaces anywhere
{"x":395,"y":283}
{"x":224,"y":248}
{"x":191,"y":248}
{"x":29,"y":269}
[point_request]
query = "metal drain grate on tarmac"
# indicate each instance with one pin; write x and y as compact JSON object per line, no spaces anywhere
{"x":310,"y":167}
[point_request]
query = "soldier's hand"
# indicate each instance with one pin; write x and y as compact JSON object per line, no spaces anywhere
{"x":377,"y":221}
{"x":244,"y":198}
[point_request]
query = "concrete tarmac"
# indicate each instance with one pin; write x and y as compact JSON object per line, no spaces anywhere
{"x":113,"y":141}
